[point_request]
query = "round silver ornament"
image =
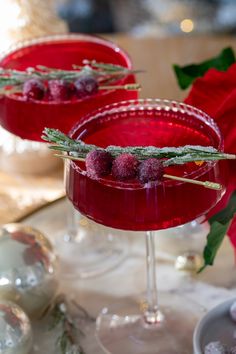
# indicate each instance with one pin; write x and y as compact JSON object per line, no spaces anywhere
{"x":15,"y":329}
{"x":27,"y":268}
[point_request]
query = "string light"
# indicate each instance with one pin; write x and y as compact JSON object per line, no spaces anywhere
{"x":187,"y":25}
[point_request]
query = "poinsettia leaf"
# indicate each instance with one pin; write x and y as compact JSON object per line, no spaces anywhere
{"x":227,"y":213}
{"x":187,"y":74}
{"x":219,"y":224}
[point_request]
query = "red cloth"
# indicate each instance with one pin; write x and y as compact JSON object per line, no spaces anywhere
{"x":215,"y":93}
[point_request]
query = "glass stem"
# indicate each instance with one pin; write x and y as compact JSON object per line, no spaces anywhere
{"x":71,"y":215}
{"x":152,"y":315}
{"x":71,"y":223}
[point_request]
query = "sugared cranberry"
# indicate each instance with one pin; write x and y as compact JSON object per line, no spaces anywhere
{"x":33,"y":89}
{"x":59,"y":90}
{"x":86,"y":86}
{"x":151,"y":170}
{"x":125,"y":167}
{"x":98,"y":163}
{"x":215,"y":348}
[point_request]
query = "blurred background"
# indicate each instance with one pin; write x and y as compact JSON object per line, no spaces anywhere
{"x":149,"y":17}
{"x":138,"y":17}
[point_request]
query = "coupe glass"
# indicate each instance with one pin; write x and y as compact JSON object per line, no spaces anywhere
{"x":26,"y":119}
{"x":154,"y":326}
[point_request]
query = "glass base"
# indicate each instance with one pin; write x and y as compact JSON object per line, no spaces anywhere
{"x":122,"y":329}
{"x":93,"y":251}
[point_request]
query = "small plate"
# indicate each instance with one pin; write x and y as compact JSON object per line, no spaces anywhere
{"x":216,"y":325}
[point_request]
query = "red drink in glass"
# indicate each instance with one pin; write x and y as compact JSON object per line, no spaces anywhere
{"x":130,"y":327}
{"x":27,"y":119}
{"x":131,"y":205}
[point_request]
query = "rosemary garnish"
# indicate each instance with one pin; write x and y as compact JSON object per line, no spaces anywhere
{"x":77,"y":150}
{"x":60,"y":313}
{"x":103,"y":72}
{"x":172,"y":155}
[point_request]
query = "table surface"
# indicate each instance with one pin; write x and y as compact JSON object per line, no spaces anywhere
{"x":20,"y":195}
{"x":207,"y":289}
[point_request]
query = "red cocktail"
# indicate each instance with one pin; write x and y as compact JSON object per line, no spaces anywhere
{"x":145,"y":207}
{"x":133,"y":206}
{"x":27,"y":119}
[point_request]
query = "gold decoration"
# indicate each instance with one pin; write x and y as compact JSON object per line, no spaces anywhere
{"x":189,"y":262}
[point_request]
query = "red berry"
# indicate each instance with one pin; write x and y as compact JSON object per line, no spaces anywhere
{"x":33,"y":89}
{"x":59,"y":90}
{"x":86,"y":86}
{"x":125,"y":167}
{"x":151,"y":170}
{"x":98,"y":163}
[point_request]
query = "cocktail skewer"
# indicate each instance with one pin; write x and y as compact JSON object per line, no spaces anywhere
{"x":128,"y":87}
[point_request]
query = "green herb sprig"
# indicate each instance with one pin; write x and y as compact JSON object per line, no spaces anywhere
{"x":60,"y":313}
{"x":77,"y":149}
{"x":103,"y":72}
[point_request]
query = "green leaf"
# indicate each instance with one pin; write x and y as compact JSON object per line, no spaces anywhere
{"x":219,"y":225}
{"x":63,"y":343}
{"x":187,"y":74}
{"x":7,"y":81}
{"x":108,"y":67}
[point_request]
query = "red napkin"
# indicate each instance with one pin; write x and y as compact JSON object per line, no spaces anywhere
{"x":215,"y":93}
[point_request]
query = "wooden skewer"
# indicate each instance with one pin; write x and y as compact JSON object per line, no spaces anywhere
{"x":206,"y":184}
{"x":130,"y":87}
{"x":67,"y":157}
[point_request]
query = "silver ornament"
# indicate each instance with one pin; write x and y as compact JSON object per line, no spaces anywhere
{"x":232,"y":311}
{"x":15,"y":329}
{"x":27,"y":268}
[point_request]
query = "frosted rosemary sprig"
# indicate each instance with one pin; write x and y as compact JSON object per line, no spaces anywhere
{"x":77,"y":71}
{"x":106,"y":68}
{"x":60,"y":313}
{"x":195,"y":157}
{"x":172,"y":155}
{"x":102,"y":71}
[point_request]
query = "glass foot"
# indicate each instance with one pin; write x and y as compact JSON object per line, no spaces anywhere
{"x":122,"y":329}
{"x":94,"y":250}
